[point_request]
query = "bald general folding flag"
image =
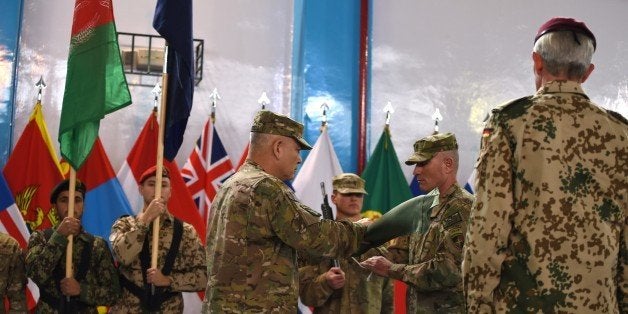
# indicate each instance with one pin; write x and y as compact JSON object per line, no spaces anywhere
{"x":95,"y":83}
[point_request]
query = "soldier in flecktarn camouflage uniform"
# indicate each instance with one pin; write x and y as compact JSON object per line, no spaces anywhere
{"x":548,"y":231}
{"x":348,"y":288}
{"x":12,"y":275}
{"x":429,"y":259}
{"x":257,"y":225}
{"x":95,"y":279}
{"x":180,"y":255}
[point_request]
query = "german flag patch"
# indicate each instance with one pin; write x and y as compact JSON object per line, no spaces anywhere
{"x":487,"y":132}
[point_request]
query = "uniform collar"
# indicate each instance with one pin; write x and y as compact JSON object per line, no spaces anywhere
{"x":167,"y":216}
{"x":561,"y":86}
{"x":454,"y":188}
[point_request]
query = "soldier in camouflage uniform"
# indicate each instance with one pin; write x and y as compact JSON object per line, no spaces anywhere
{"x":347,"y":288}
{"x":257,"y":225}
{"x":12,"y":275}
{"x":180,"y":257}
{"x":548,"y":231}
{"x":95,"y":279}
{"x":429,"y":260}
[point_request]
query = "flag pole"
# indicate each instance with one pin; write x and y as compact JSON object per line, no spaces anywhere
{"x":68,"y":250}
{"x":160,"y":156}
{"x":325,"y":108}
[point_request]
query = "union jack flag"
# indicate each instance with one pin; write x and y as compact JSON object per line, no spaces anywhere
{"x":207,"y":168}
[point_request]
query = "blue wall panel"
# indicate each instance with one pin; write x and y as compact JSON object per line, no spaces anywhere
{"x":10,"y":17}
{"x":325,"y":70}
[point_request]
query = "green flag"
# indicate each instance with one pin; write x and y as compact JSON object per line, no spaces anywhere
{"x":385,"y":182}
{"x":95,"y":83}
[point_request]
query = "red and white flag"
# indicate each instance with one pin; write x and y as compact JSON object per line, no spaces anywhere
{"x":142,"y":156}
{"x":12,"y":223}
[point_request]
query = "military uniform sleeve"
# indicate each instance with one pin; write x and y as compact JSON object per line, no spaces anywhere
{"x":106,"y":289}
{"x":313,"y":288}
{"x":622,"y":293}
{"x":298,"y":226}
{"x":398,"y":249}
{"x":191,"y":273}
{"x":42,"y":255}
{"x":489,"y":224}
{"x":387,"y":296}
{"x":442,"y":271}
{"x":17,"y":279}
{"x":127,"y":238}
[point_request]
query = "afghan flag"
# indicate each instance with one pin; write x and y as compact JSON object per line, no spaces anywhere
{"x":95,"y":83}
{"x":387,"y":188}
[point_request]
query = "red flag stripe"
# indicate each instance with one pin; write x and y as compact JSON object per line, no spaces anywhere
{"x":12,"y":229}
{"x":91,"y":13}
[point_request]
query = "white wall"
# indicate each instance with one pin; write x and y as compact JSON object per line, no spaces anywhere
{"x":463,"y":57}
{"x":466,"y":57}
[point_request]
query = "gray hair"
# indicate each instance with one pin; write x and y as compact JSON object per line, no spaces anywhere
{"x":565,"y":53}
{"x":258,"y":140}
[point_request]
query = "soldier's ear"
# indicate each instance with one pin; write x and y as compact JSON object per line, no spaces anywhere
{"x":277,"y":148}
{"x":538,"y":63}
{"x":448,"y":162}
{"x":587,"y":73}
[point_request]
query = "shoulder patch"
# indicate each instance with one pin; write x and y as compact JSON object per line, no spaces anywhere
{"x":452,"y":220}
{"x":617,"y":116}
{"x":514,"y":108}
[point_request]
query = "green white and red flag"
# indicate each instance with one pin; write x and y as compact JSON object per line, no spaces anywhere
{"x":95,"y":83}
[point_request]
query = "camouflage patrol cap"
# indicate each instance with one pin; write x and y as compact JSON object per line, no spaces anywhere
{"x":565,"y":24}
{"x":271,"y":123}
{"x":348,"y":183}
{"x":427,"y":147}
{"x":65,"y":186}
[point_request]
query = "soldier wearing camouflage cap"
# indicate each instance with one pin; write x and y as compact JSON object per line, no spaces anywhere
{"x":347,"y":287}
{"x":256,"y":226}
{"x":429,"y":259}
{"x":548,"y":230}
{"x":95,"y":279}
{"x":12,"y":275}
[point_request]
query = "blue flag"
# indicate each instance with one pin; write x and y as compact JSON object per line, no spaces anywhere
{"x":415,"y":188}
{"x":173,"y":21}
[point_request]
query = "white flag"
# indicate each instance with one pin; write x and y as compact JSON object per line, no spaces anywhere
{"x":321,"y":165}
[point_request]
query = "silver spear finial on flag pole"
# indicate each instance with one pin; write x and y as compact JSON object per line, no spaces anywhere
{"x":156,"y":91}
{"x":389,"y":110}
{"x":325,"y":108}
{"x":263,"y":100}
{"x":41,"y":85}
{"x":436,"y":117}
{"x":214,"y":97}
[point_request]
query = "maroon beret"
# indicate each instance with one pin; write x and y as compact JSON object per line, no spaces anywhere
{"x":152,"y":171}
{"x":565,"y":24}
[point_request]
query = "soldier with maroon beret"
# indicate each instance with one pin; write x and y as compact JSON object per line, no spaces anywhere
{"x":548,"y":231}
